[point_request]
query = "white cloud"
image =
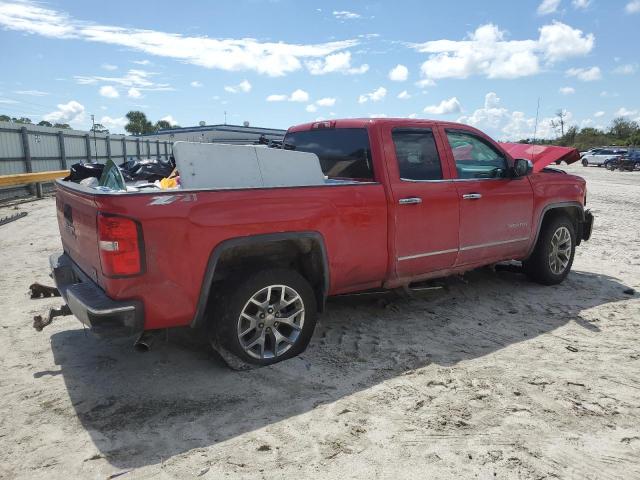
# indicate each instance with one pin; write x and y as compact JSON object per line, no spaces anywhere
{"x":108,"y":66}
{"x":399,"y":73}
{"x":134,"y":93}
{"x":607,"y":94}
{"x":71,"y":112}
{"x":580,"y":4}
{"x":277,"y":98}
{"x":548,"y":6}
{"x":335,"y":63}
{"x":140,"y":79}
{"x":244,"y":86}
{"x":269,"y":58}
{"x":633,"y":6}
{"x":374,"y":96}
{"x":486,"y":52}
{"x":425,"y":82}
{"x":567,"y":90}
{"x":627,"y":69}
{"x":114,"y":124}
{"x":311,"y":108}
{"x":585,"y":74}
{"x":404,"y":95}
{"x":346,"y":15}
{"x":624,"y":112}
{"x":32,"y":93}
{"x":299,"y":96}
{"x":196,"y":84}
{"x":452,"y":105}
{"x":170,"y":119}
{"x":142,"y":62}
{"x":377,"y":115}
{"x":109,"y":91}
{"x":296,"y":96}
{"x":326,"y":102}
{"x":509,"y":125}
{"x":599,"y":114}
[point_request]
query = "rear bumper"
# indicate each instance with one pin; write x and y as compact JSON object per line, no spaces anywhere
{"x":89,"y":303}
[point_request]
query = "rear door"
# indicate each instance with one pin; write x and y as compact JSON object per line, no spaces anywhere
{"x":425,"y":200}
{"x":495,"y":209}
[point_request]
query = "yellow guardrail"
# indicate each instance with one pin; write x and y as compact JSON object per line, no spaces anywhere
{"x":35,"y":177}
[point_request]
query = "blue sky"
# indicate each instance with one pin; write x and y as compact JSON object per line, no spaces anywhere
{"x":278,"y":63}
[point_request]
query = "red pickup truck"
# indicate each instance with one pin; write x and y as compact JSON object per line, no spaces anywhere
{"x":403,"y":201}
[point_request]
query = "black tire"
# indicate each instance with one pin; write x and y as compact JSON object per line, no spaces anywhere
{"x":236,"y":295}
{"x":585,"y":162}
{"x":538,"y":266}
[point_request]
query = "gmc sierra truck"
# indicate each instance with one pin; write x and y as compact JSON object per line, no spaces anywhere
{"x":403,"y":201}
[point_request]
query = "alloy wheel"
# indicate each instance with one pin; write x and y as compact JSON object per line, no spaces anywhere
{"x":560,"y":253}
{"x":271,"y":322}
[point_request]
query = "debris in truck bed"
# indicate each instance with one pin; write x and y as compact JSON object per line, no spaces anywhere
{"x":11,"y":218}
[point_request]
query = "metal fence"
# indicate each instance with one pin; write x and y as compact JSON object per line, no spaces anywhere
{"x":30,"y":148}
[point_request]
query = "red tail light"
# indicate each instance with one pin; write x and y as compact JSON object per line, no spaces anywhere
{"x":120,"y":246}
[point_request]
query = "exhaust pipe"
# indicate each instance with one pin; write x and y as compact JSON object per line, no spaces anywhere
{"x":144,"y":341}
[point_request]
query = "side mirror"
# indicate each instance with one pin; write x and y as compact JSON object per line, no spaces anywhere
{"x":522,"y":167}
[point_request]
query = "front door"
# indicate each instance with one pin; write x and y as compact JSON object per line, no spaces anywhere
{"x":495,"y":208}
{"x":426,"y":202}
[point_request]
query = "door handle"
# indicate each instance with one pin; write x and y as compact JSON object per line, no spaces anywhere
{"x":472,"y":196}
{"x":410,"y":201}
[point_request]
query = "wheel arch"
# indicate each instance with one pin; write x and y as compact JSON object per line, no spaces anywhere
{"x":306,"y":250}
{"x":573,"y":210}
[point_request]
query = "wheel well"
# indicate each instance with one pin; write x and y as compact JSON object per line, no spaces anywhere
{"x":305,"y":255}
{"x":574,"y":213}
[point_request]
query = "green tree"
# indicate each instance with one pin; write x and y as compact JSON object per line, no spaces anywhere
{"x":622,"y":129}
{"x":44,"y":123}
{"x":5,"y":118}
{"x":162,"y":125}
{"x":99,"y":128}
{"x":138,"y":123}
{"x":22,"y":120}
{"x":64,"y":126}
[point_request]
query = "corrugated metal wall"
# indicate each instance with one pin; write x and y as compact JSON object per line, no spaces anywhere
{"x":54,"y":149}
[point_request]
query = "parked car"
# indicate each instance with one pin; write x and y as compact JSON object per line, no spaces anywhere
{"x":404,"y":201}
{"x":627,"y":162}
{"x":602,"y":157}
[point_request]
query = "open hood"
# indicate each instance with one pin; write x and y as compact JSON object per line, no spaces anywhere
{"x":541,"y":155}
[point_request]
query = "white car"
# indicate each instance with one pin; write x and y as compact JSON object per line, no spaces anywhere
{"x":601,"y":156}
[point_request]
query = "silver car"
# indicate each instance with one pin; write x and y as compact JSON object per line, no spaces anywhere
{"x":602,"y":156}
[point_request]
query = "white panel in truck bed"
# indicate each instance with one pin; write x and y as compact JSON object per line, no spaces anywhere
{"x":215,"y":165}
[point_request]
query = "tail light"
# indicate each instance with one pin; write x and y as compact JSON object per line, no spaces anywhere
{"x":120,"y":246}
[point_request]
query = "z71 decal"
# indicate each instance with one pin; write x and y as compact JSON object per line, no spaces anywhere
{"x":168,"y":199}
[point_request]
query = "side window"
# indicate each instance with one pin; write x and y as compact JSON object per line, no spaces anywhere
{"x":417,"y":155}
{"x":475,"y":157}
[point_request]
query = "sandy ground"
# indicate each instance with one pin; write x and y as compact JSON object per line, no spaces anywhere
{"x":493,"y":377}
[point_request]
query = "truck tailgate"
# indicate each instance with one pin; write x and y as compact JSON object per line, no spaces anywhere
{"x":77,"y":211}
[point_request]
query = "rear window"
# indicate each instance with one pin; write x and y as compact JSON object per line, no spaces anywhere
{"x":343,"y":152}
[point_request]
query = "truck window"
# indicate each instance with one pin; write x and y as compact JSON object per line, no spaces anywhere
{"x":475,"y":157}
{"x":343,"y":152}
{"x":417,"y":154}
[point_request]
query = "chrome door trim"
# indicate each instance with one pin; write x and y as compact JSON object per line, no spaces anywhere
{"x":463,"y":249}
{"x":472,"y":196}
{"x":428,"y":254}
{"x":493,"y":244}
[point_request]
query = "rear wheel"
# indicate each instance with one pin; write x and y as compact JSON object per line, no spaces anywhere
{"x":553,"y":255}
{"x":264,"y":317}
{"x":585,"y":162}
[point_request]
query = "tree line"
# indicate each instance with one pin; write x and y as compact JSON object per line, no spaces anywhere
{"x":621,"y":132}
{"x":138,"y":124}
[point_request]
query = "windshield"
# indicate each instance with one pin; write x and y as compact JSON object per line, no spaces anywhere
{"x":343,"y":152}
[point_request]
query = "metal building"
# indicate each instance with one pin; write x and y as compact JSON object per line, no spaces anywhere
{"x":233,"y":134}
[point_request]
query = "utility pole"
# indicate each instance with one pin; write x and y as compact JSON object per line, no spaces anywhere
{"x":225,"y":117}
{"x":95,"y":142}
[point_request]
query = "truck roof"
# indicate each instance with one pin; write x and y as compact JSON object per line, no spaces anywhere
{"x":366,"y":122}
